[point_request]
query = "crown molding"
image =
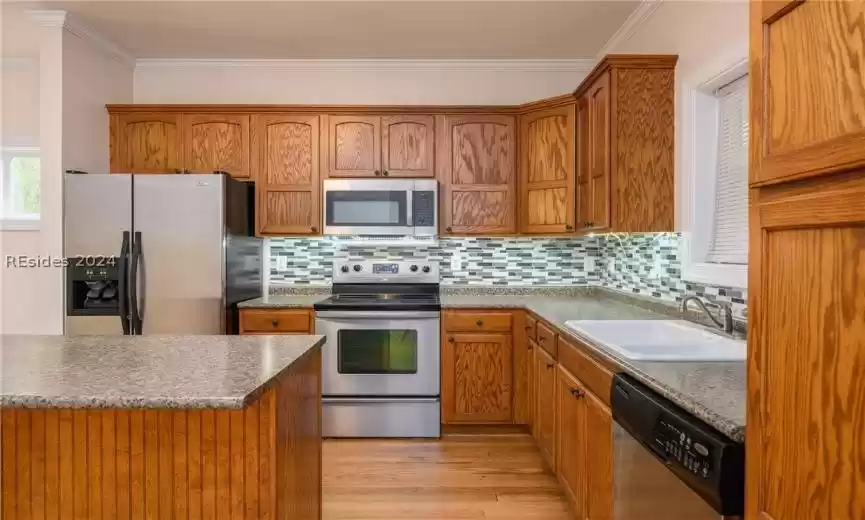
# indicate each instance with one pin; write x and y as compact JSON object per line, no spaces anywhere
{"x":637,"y":17}
{"x":526,"y":65}
{"x":58,"y":18}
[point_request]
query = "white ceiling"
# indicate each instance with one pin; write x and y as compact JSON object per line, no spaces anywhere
{"x":409,"y":29}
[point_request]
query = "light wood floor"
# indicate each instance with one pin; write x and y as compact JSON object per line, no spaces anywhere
{"x":496,"y":477}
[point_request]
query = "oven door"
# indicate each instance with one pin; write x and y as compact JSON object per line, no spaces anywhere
{"x":365,"y":207}
{"x":378,"y":354}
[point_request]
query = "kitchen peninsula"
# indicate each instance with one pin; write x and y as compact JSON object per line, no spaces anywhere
{"x":161,"y":427}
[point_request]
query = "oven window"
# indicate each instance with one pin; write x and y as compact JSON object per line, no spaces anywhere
{"x":377,"y":351}
{"x":366,"y":208}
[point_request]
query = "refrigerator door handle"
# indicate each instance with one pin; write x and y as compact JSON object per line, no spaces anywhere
{"x":137,"y":318}
{"x":122,"y":284}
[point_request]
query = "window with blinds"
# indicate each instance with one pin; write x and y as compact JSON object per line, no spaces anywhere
{"x":729,"y":241}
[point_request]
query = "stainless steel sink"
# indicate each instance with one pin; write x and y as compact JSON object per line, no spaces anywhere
{"x":660,"y":340}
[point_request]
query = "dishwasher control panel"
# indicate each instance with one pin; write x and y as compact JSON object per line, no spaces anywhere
{"x":707,"y":461}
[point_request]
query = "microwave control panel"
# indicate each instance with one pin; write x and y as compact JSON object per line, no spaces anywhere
{"x":423,"y":208}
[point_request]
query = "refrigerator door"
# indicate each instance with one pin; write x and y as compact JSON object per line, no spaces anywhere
{"x":97,"y":217}
{"x":178,"y":254}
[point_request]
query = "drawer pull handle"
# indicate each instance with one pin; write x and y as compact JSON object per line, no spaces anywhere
{"x":451,"y":339}
{"x":577,"y":393}
{"x":274,"y":322}
{"x":480,"y":323}
{"x":550,"y":365}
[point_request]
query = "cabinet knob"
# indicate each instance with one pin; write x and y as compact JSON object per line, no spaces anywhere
{"x":451,"y":339}
{"x":385,"y":173}
{"x":274,"y":322}
{"x":576,"y":393}
{"x":590,"y":224}
{"x":569,"y":227}
{"x":377,"y":172}
{"x":550,"y":365}
{"x":479,"y":323}
{"x":178,"y":171}
{"x":313,"y":229}
{"x":449,"y":229}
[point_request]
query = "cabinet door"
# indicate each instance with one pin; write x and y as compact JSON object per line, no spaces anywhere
{"x":476,"y":378}
{"x":547,"y":174}
{"x":806,"y":350}
{"x":285,"y":152}
{"x":216,"y":142}
{"x":585,"y":211}
{"x":598,"y":448}
{"x":807,"y":66}
{"x":599,"y":147}
{"x":408,"y":146}
{"x":353,"y":146}
{"x":476,"y":164}
{"x":545,"y":407}
{"x":571,"y":440}
{"x":147,"y":143}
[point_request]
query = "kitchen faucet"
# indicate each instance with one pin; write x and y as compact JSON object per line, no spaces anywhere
{"x":724,"y":309}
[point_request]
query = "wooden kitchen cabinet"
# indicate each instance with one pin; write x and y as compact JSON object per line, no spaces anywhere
{"x":806,"y":337}
{"x":276,"y":321}
{"x":365,"y":145}
{"x":547,"y":177}
{"x":214,"y":142}
{"x":599,"y":458}
{"x":285,"y":162}
{"x":145,"y":142}
{"x":625,"y":122}
{"x":571,"y":432}
{"x":477,"y":373}
{"x":476,"y":168}
{"x":545,"y":405}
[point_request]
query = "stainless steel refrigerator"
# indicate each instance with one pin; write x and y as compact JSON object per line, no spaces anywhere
{"x":158,"y":254}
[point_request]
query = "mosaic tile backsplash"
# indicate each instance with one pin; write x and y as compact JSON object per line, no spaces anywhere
{"x":463,"y":261}
{"x":643,"y":264}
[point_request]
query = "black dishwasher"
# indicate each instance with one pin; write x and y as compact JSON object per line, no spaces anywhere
{"x":669,"y":464}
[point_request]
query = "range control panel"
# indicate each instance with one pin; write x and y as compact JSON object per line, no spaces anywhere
{"x":347,"y":271}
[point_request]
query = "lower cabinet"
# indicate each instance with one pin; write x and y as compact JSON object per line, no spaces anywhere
{"x":571,"y":440}
{"x":477,"y":374}
{"x":599,"y":459}
{"x":545,"y":405}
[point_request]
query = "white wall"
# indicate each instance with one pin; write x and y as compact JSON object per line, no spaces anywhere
{"x":709,"y":37}
{"x":358,"y":82}
{"x":75,"y":81}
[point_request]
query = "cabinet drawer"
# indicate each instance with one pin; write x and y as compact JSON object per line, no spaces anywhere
{"x":275,"y":321}
{"x":596,"y":377}
{"x":531,"y":327}
{"x":477,"y":321}
{"x":546,"y":339}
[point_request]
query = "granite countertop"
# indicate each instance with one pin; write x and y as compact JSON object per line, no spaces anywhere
{"x":143,"y":371}
{"x":713,"y":391}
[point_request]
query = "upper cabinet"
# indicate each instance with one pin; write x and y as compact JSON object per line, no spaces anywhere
{"x":814,"y":123}
{"x":146,"y":143}
{"x":625,"y":140}
{"x":477,"y":171}
{"x":379,"y":146}
{"x":548,"y":186}
{"x":285,"y":159}
{"x":214,"y":142}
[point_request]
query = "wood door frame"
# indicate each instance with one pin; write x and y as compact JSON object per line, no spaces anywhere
{"x":244,"y":120}
{"x":444,"y":174}
{"x":421,"y":119}
{"x":262,"y":188}
{"x":569,"y":110}
{"x":328,"y":144}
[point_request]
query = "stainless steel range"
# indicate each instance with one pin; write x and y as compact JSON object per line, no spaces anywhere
{"x":381,"y":363}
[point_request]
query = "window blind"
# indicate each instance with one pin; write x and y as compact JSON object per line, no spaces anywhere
{"x":729,"y":242}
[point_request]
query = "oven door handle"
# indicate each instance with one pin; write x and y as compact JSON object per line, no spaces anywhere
{"x":379,"y":315}
{"x":377,"y":400}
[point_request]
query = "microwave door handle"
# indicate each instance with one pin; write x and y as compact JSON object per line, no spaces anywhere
{"x":409,"y":219}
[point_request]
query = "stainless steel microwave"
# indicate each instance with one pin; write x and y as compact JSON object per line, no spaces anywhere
{"x":403,"y":207}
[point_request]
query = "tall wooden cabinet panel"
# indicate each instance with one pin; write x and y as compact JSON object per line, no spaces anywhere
{"x":812,"y":123}
{"x":806,"y":348}
{"x":477,"y":371}
{"x":353,"y":146}
{"x":146,"y":143}
{"x":599,"y":458}
{"x":545,"y":405}
{"x":571,"y":441}
{"x":216,"y":142}
{"x":584,"y":173}
{"x":599,"y":154}
{"x":476,"y":166}
{"x":285,"y":155}
{"x":548,"y":181}
{"x":408,"y":146}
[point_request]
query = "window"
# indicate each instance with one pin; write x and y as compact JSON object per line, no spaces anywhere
{"x":713,"y":195}
{"x":20,"y":198}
